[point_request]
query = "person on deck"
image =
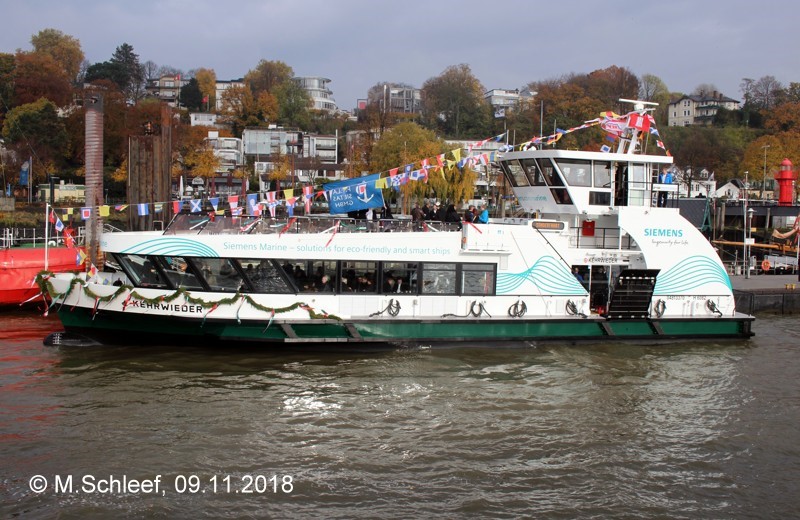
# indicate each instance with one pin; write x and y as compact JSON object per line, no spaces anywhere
{"x":665,"y":177}
{"x":483,"y":216}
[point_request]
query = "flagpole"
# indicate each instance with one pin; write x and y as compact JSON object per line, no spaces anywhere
{"x":46,"y":234}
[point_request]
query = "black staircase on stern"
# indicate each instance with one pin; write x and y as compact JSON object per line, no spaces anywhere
{"x":633,"y":292}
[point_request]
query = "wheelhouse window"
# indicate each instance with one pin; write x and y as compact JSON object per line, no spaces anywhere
{"x":533,"y":172}
{"x":576,"y":172}
{"x":602,"y":174}
{"x":514,"y":172}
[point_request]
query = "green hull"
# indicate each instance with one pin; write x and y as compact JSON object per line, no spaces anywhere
{"x":116,"y":327}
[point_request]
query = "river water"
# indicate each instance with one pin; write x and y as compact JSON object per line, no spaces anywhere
{"x":686,"y":430}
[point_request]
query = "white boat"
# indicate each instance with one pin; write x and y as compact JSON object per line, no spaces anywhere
{"x":645,"y":272}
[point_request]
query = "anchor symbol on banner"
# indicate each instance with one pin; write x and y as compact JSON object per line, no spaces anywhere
{"x":361,"y":189}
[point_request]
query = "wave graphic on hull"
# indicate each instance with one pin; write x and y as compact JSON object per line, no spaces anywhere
{"x":550,"y":276}
{"x":172,"y":247}
{"x":691,"y":273}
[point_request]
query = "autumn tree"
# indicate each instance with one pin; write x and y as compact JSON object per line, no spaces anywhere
{"x":243,"y":109}
{"x":268,"y":76}
{"x":35,"y":129}
{"x":453,"y":103}
{"x":38,"y":75}
{"x":63,"y":48}
{"x":408,"y":143}
{"x":7,"y":65}
{"x":761,"y":94}
{"x":609,"y":85}
{"x":207,"y":81}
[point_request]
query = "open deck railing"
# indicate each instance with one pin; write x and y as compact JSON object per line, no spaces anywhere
{"x":250,"y":225}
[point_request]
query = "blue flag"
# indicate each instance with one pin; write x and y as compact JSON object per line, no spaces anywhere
{"x":354,"y":194}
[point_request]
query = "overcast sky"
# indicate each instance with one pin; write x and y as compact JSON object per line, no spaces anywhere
{"x":360,"y":43}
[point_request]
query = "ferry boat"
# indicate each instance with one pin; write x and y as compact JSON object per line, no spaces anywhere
{"x":597,"y":260}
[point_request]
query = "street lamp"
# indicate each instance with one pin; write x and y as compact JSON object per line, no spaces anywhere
{"x":764,"y":179}
{"x":748,"y":223}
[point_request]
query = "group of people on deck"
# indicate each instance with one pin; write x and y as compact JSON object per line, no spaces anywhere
{"x":437,"y":213}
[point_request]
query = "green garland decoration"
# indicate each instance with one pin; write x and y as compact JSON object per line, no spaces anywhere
{"x":44,"y":283}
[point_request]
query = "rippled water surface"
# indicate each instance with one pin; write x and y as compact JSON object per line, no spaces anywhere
{"x":686,"y":430}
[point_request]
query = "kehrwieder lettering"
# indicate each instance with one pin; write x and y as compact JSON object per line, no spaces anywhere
{"x":163,"y":306}
{"x":663,"y":232}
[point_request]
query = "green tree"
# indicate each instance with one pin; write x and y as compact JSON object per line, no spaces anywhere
{"x":35,"y":129}
{"x":653,"y":89}
{"x":293,"y":106}
{"x":63,"y":48}
{"x":453,"y":103}
{"x":191,"y":97}
{"x":133,"y":74}
{"x":123,"y":69}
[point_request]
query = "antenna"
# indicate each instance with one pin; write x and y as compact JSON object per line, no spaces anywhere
{"x":638,"y":104}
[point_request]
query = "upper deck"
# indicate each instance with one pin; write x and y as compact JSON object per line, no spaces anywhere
{"x":575,"y":182}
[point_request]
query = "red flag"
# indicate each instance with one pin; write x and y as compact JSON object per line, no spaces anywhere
{"x":52,"y":216}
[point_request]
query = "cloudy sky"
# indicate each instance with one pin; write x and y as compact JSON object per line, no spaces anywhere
{"x":360,"y":43}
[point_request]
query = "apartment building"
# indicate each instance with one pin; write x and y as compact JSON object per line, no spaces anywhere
{"x":698,"y":109}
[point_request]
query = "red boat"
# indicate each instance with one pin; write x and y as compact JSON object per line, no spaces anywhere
{"x":20,"y":265}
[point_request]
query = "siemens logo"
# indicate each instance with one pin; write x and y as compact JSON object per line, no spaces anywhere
{"x":660,"y":232}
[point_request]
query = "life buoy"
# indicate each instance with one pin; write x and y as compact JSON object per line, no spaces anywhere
{"x":765,"y":265}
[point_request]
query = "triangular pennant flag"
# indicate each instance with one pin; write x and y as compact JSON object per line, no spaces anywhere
{"x":214,"y":202}
{"x":120,"y":207}
{"x":456,"y":154}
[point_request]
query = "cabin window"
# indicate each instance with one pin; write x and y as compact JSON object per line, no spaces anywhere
{"x":221,"y":275}
{"x":179,"y":272}
{"x":359,"y":277}
{"x":142,"y":271}
{"x":533,"y":172}
{"x":477,"y":279}
{"x":322,"y":276}
{"x":515,"y":173}
{"x":263,"y":276}
{"x":439,"y":279}
{"x":576,"y":173}
{"x":399,"y":277}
